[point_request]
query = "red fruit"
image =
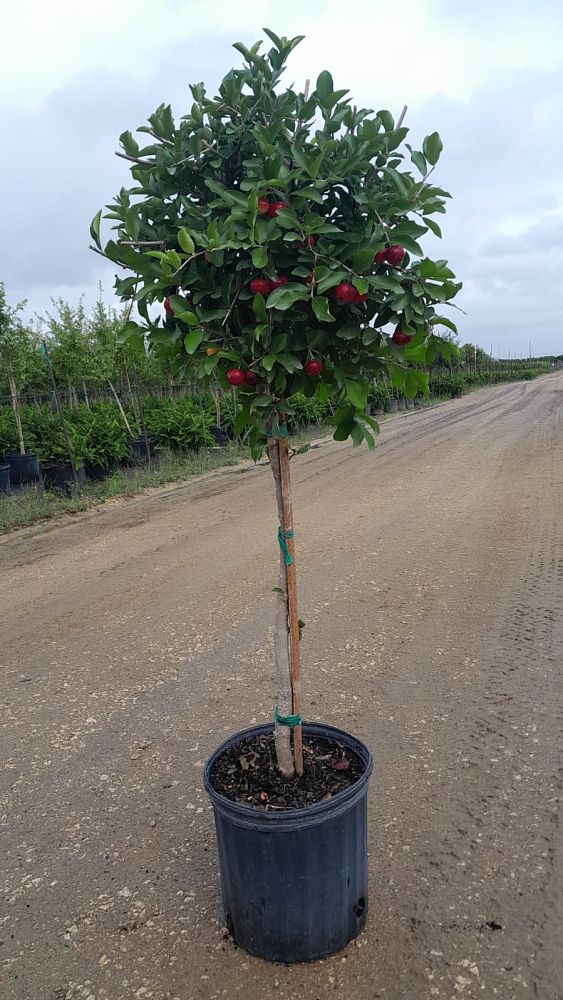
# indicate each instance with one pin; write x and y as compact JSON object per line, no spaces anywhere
{"x":313,"y":367}
{"x":260,"y":286}
{"x":251,"y":378}
{"x":236,"y":376}
{"x":401,"y":338}
{"x":344,"y":293}
{"x":394,"y":254}
{"x":310,"y":279}
{"x":276,"y":207}
{"x":358,"y":299}
{"x":380,"y":257}
{"x":263,"y":206}
{"x":311,"y":240}
{"x":282,"y":280}
{"x":167,"y":307}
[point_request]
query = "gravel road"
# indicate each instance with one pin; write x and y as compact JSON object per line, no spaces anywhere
{"x":134,"y":639}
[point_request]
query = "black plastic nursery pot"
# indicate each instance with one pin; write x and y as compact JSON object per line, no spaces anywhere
{"x":4,"y":478}
{"x":138,"y":450}
{"x":392,"y":405}
{"x":58,"y":476}
{"x":294,"y":881}
{"x":23,"y":468}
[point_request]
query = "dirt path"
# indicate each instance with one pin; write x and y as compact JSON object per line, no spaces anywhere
{"x":135,"y":639}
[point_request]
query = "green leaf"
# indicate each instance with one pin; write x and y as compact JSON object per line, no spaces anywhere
{"x":369,"y":336}
{"x":95,"y":229}
{"x":193,"y":340}
{"x":325,"y":88}
{"x":330,"y":280}
{"x":286,"y":295}
{"x":419,"y":161}
{"x":268,"y":362}
{"x":321,"y":309}
{"x":289,"y":362}
{"x":259,"y":306}
{"x":397,"y":375}
{"x":129,"y":144}
{"x":210,"y":364}
{"x":350,"y":331}
{"x":344,"y":430}
{"x":357,"y":393}
{"x":132,"y":222}
{"x":433,"y":227}
{"x":432,"y":147}
{"x":259,"y":257}
{"x":129,"y":330}
{"x":444,"y":321}
{"x":187,"y":317}
{"x":185,"y":241}
{"x":278,"y":343}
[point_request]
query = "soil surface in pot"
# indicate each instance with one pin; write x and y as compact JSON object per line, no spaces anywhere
{"x":247,"y":773}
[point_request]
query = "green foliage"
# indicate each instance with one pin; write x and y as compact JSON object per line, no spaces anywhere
{"x":182,"y":425}
{"x":190,"y":229}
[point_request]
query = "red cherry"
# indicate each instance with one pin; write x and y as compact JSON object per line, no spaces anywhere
{"x":167,"y":307}
{"x":358,"y":299}
{"x":380,"y":257}
{"x":236,"y":376}
{"x":276,"y":207}
{"x":313,"y":367}
{"x":344,"y":293}
{"x":276,"y":282}
{"x":260,"y":286}
{"x":251,"y":378}
{"x":263,"y":206}
{"x":401,"y":338}
{"x":394,"y":254}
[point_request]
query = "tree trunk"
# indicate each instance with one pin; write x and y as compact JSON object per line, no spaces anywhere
{"x":16,"y":409}
{"x":286,"y":634}
{"x":84,"y":389}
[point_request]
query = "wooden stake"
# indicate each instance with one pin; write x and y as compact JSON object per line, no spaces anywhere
{"x":120,"y":408}
{"x":401,"y":117}
{"x":292,"y":607}
{"x":16,"y":409}
{"x":282,"y":734}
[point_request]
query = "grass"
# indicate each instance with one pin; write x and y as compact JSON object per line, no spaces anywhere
{"x":29,"y":505}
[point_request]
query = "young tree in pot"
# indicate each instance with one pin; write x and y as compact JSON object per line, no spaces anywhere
{"x":272,"y":253}
{"x":18,"y":359}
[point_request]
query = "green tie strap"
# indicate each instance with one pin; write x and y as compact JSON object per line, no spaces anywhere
{"x":282,"y":535}
{"x":287,"y":720}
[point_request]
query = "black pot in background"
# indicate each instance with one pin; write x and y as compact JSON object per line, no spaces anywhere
{"x":219,"y":435}
{"x":138,"y":450}
{"x":23,"y":468}
{"x":4,"y":478}
{"x":410,"y":404}
{"x":294,"y":882}
{"x":402,"y":402}
{"x":58,"y":476}
{"x":392,"y":405}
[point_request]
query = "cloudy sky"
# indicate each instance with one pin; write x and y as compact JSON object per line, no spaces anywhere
{"x":488,"y":76}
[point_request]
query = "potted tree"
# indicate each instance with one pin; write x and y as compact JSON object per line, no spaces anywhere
{"x":16,"y":354}
{"x":272,"y":242}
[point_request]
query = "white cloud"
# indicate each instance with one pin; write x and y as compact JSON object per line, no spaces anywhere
{"x":489,"y":78}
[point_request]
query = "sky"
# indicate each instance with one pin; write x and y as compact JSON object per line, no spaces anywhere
{"x":487,"y":76}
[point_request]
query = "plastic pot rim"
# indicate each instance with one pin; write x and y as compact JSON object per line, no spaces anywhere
{"x":255,"y":817}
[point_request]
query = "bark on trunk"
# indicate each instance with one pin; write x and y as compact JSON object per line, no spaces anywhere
{"x":282,"y":735}
{"x":289,"y":624}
